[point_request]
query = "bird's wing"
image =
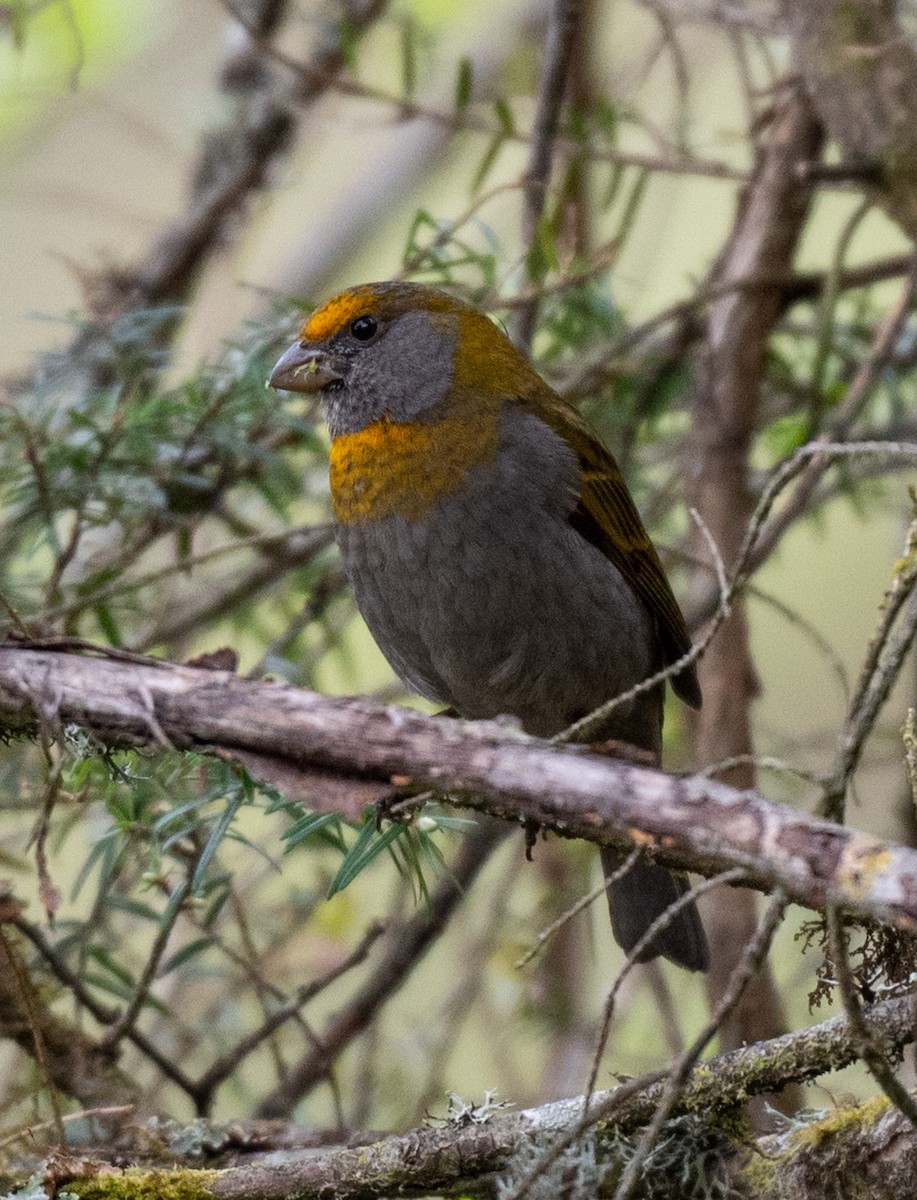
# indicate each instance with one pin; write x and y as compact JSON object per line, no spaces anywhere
{"x":607,"y":517}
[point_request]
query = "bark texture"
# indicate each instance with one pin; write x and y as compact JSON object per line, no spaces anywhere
{"x":691,"y":822}
{"x":810,"y":1160}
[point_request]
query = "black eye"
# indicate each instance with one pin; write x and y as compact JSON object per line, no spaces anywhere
{"x":364,"y":328}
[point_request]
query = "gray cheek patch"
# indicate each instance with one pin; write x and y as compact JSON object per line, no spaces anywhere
{"x":403,"y":374}
{"x":413,"y":364}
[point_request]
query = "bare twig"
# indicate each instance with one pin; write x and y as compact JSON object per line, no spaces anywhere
{"x":812,"y":631}
{"x":140,"y":995}
{"x":71,"y":981}
{"x":220,"y":1070}
{"x":558,"y":52}
{"x":281,"y":554}
{"x":884,"y":659}
{"x":314,"y":76}
{"x":761,"y":762}
{"x":793,"y":288}
{"x":293,"y":545}
{"x":668,"y":40}
{"x":408,"y":942}
{"x":633,"y":957}
{"x":750,"y":962}
{"x":909,"y":736}
{"x":584,"y":901}
{"x":838,"y":430}
{"x":715,"y":557}
{"x":101,"y":1013}
{"x":460,"y":1004}
{"x":30,"y":1011}
{"x":28,"y":1132}
{"x":257,"y":132}
{"x":329,"y":585}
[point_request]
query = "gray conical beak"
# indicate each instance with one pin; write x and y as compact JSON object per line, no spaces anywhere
{"x":303,"y":369}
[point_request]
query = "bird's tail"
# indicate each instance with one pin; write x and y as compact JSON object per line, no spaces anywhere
{"x":643,"y":894}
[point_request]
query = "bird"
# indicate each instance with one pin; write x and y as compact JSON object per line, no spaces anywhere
{"x":491,"y":542}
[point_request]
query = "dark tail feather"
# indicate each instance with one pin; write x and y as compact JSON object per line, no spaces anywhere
{"x":642,"y":895}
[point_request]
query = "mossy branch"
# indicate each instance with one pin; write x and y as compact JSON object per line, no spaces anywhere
{"x":466,"y":1153}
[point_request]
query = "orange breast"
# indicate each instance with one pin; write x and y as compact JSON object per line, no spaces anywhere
{"x":388,"y":468}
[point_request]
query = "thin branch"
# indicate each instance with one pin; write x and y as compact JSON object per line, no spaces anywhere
{"x":584,"y":901}
{"x":278,"y":556}
{"x":561,"y":39}
{"x":887,"y":650}
{"x":749,"y":964}
{"x":220,"y":1070}
{"x":125,"y":1022}
{"x":407,"y":945}
{"x":28,"y":1006}
{"x":812,"y":631}
{"x":71,"y":981}
{"x":407,"y":109}
{"x":27,"y":1133}
{"x":69,"y":1060}
{"x":838,"y":430}
{"x":101,"y":1013}
{"x":761,"y":762}
{"x":909,"y":737}
{"x":687,"y":314}
{"x":633,"y":957}
{"x":668,"y":39}
{"x":292,"y":547}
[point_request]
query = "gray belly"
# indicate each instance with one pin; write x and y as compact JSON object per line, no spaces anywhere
{"x":495,"y":612}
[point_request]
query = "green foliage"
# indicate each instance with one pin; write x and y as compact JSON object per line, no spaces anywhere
{"x":409,"y":52}
{"x":411,"y":845}
{"x":463,"y":84}
{"x":436,"y":253}
{"x":576,"y":320}
{"x":160,"y":822}
{"x":145,"y":465}
{"x":506,"y":130}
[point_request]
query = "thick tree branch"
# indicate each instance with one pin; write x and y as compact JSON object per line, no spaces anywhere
{"x":360,"y":748}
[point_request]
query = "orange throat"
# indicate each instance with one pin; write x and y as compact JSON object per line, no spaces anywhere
{"x":390,"y":469}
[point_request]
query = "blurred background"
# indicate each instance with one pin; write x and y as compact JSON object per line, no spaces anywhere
{"x":179,"y":183}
